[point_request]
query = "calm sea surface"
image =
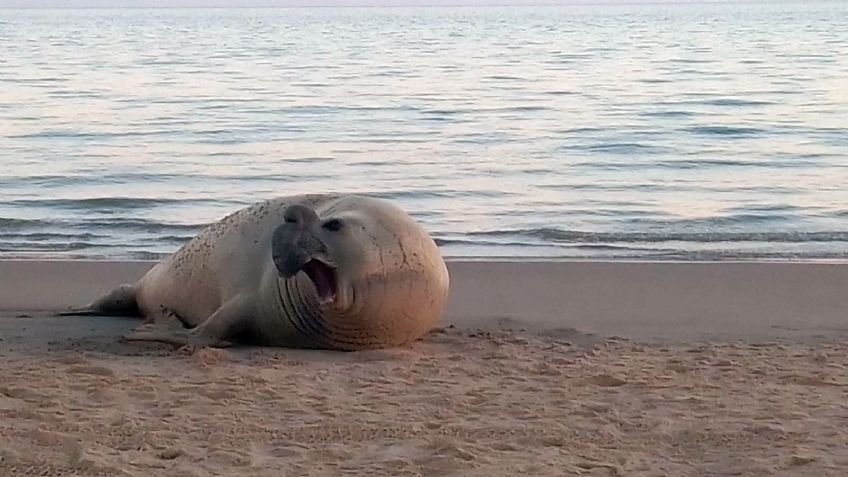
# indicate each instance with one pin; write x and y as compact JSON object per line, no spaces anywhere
{"x":653,"y":132}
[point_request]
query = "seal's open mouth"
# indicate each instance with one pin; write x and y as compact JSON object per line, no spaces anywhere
{"x":323,"y":277}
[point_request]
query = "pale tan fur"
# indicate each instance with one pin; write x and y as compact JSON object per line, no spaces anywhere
{"x":393,"y":280}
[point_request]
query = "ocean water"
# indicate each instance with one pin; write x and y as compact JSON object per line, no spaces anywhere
{"x":683,"y":132}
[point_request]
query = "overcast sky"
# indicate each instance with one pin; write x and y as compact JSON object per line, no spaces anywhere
{"x":284,"y":3}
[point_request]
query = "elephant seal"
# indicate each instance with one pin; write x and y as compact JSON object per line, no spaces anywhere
{"x":326,"y":271}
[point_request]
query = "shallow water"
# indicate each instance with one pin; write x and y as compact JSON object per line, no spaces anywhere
{"x":654,"y":132}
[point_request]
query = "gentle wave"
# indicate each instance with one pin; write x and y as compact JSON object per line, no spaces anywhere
{"x":14,"y":226}
{"x":129,"y":178}
{"x":52,"y":236}
{"x":727,"y":131}
{"x":109,"y":203}
{"x":79,"y":135}
{"x":620,"y":148}
{"x":28,"y":246}
{"x":573,"y":236}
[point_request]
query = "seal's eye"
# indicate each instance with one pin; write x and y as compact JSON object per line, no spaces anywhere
{"x":333,"y":225}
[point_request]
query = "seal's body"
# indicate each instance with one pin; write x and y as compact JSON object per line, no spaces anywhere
{"x":317,"y":271}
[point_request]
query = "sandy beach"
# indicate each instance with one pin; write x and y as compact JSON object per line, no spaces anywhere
{"x":480,"y":397}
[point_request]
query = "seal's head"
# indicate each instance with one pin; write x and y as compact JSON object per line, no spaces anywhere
{"x":376,"y":276}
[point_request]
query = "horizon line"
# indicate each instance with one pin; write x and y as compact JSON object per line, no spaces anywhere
{"x":508,"y":3}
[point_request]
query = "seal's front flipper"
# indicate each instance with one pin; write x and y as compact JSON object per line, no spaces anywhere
{"x":230,"y":320}
{"x":166,"y":327}
{"x":161,"y":327}
{"x":152,"y":333}
{"x":185,"y":337}
{"x":119,"y":302}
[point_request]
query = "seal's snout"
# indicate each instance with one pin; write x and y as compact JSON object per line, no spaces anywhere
{"x":302,"y":216}
{"x":295,"y":242}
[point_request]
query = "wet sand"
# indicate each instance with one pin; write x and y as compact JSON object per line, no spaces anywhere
{"x":502,"y":396}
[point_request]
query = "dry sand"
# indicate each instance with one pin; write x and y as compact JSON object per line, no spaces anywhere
{"x":459,"y":403}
